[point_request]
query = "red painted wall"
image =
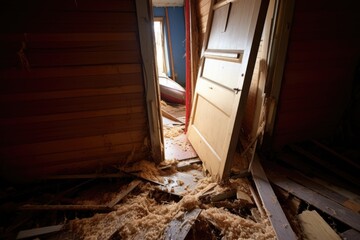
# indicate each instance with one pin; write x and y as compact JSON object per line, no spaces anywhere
{"x":323,"y":51}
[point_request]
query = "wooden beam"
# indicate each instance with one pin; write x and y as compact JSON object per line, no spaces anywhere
{"x":275,"y":213}
{"x":169,"y":116}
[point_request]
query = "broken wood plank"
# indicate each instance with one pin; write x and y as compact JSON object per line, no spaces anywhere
{"x":324,"y":204}
{"x":123,"y":193}
{"x":315,"y":227}
{"x":276,"y":215}
{"x":170,"y":116}
{"x":178,"y":228}
{"x":258,"y":204}
{"x":38,"y":231}
{"x":32,"y":207}
{"x":350,"y":234}
{"x":223,"y":196}
{"x":217,"y":196}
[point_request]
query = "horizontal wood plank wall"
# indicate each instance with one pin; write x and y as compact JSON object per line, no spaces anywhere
{"x":322,"y":54}
{"x":72,"y":91}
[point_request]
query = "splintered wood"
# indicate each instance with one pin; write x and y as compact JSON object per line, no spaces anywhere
{"x":141,"y":215}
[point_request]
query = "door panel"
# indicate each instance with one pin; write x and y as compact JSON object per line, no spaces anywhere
{"x":222,"y":72}
{"x":225,"y":73}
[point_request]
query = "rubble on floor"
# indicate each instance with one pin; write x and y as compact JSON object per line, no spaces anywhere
{"x":146,"y":211}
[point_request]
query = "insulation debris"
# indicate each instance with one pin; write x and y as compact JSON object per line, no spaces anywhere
{"x":147,"y":212}
{"x":147,"y":170}
{"x":173,"y":131}
{"x":235,"y":227}
{"x":141,"y":216}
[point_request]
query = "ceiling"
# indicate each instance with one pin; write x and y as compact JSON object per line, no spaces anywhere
{"x":167,"y":3}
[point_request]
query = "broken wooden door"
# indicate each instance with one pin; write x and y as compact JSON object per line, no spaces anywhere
{"x":228,"y":59}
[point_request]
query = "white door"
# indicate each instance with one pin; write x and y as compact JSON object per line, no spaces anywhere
{"x":228,"y":59}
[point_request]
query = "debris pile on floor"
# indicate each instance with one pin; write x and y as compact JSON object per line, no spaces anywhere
{"x":143,"y":209}
{"x":142,"y":215}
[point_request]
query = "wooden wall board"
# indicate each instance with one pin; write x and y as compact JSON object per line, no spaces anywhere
{"x":72,"y":93}
{"x":321,"y":58}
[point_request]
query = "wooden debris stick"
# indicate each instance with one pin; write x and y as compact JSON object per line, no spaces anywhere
{"x":257,"y":201}
{"x":123,"y":193}
{"x":324,"y":204}
{"x":170,"y":116}
{"x":215,"y":197}
{"x":186,"y":163}
{"x":178,"y":228}
{"x":276,"y":215}
{"x":350,"y":234}
{"x":315,"y":227}
{"x":31,"y":207}
{"x":38,"y":231}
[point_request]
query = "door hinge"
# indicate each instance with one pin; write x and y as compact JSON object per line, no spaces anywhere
{"x":237,"y":90}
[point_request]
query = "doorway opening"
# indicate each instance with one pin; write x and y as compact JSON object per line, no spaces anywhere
{"x":169,"y":36}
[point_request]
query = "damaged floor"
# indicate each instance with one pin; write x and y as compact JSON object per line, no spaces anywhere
{"x":138,"y":208}
{"x":178,"y":200}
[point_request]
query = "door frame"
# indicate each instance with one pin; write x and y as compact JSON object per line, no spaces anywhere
{"x":152,"y":92}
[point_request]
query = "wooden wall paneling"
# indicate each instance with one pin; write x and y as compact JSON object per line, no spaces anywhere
{"x":203,"y":8}
{"x":319,"y":70}
{"x":73,"y":144}
{"x":72,"y":91}
{"x":47,"y":131}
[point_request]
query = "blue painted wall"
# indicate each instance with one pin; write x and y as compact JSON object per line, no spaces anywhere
{"x":177,"y":32}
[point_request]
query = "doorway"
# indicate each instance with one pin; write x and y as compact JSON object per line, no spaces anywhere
{"x":169,"y":35}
